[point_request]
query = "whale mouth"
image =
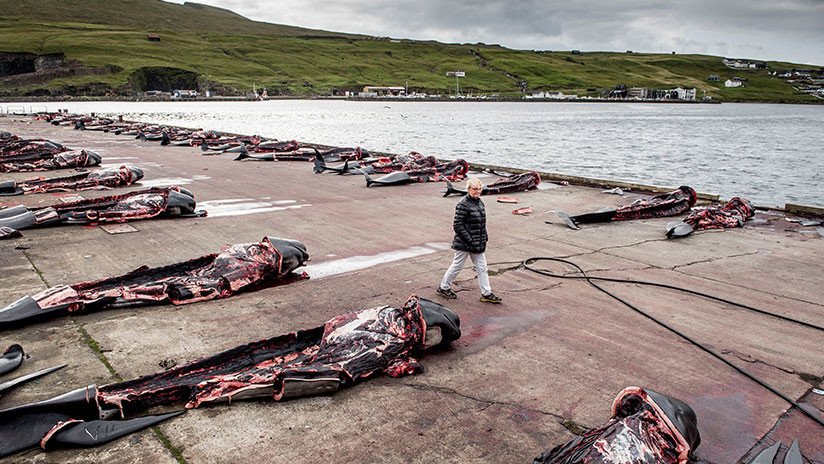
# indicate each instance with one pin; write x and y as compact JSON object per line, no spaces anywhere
{"x":94,"y":158}
{"x":137,"y":173}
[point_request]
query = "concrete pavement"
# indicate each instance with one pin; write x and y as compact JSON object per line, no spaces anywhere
{"x":525,"y":375}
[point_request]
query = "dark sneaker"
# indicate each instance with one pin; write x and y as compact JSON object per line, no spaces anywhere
{"x":447,"y":293}
{"x":490,"y":298}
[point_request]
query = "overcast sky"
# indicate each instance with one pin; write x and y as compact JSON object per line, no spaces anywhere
{"x":787,"y":30}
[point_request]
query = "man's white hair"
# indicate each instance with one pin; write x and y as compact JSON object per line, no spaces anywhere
{"x":474,"y":182}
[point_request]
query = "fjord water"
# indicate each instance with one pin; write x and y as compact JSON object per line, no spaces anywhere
{"x":771,"y":154}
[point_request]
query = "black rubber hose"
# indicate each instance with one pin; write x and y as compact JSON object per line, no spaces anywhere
{"x":660,"y":285}
{"x":528,"y":261}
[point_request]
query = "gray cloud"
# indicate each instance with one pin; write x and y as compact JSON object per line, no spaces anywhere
{"x":788,"y":30}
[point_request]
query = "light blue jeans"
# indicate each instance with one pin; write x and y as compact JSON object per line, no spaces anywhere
{"x":478,"y":260}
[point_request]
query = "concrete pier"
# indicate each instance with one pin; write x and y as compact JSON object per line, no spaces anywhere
{"x":523,"y":378}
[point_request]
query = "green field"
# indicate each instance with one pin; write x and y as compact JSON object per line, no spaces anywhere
{"x":105,"y":43}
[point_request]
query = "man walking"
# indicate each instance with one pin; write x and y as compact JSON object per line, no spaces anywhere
{"x":469,"y":242}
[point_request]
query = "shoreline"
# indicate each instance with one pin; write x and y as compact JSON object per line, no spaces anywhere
{"x":646,"y":188}
{"x":32,"y":99}
{"x":570,"y":179}
{"x":584,"y":181}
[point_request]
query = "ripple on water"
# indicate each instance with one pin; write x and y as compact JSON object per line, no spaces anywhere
{"x":705,"y":146}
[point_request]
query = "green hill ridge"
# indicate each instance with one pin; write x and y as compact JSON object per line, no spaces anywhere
{"x":88,"y":47}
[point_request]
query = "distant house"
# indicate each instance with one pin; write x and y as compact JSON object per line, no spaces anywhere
{"x":645,"y":93}
{"x":549,"y":95}
{"x":153,"y":37}
{"x":815,"y":90}
{"x":713,"y":78}
{"x":638,"y":93}
{"x":685,"y":94}
{"x":380,"y":91}
{"x":736,"y":63}
{"x":184,"y":94}
{"x":576,"y":52}
{"x":620,"y":91}
{"x":734,"y":82}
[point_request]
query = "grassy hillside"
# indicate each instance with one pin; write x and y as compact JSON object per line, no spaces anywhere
{"x":104,"y":43}
{"x":149,"y":15}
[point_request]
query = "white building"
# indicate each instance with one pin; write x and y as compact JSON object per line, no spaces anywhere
{"x":686,"y":94}
{"x":549,"y":95}
{"x":184,"y":93}
{"x":733,"y":83}
{"x":738,"y":64}
{"x":383,"y":91}
{"x":638,"y":93}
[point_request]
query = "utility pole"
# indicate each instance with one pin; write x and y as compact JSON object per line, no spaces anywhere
{"x":457,"y":74}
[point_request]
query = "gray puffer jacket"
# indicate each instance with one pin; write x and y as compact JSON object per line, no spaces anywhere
{"x":470,"y":226}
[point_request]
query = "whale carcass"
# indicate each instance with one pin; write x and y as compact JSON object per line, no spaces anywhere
{"x":351,"y":347}
{"x":217,"y":275}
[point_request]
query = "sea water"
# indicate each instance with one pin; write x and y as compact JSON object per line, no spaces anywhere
{"x":770,"y":153}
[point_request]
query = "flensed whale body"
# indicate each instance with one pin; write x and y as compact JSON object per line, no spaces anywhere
{"x":664,"y":205}
{"x":58,"y":160}
{"x":517,"y":183}
{"x":347,"y":349}
{"x":213,"y":276}
{"x":734,"y":213}
{"x":645,"y":427}
{"x":139,"y":204}
{"x":103,"y":179}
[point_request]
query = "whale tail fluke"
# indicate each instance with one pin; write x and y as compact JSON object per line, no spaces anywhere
{"x":450,"y":189}
{"x":243,"y":154}
{"x":567,"y":219}
{"x":320,"y":164}
{"x":345,"y":168}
